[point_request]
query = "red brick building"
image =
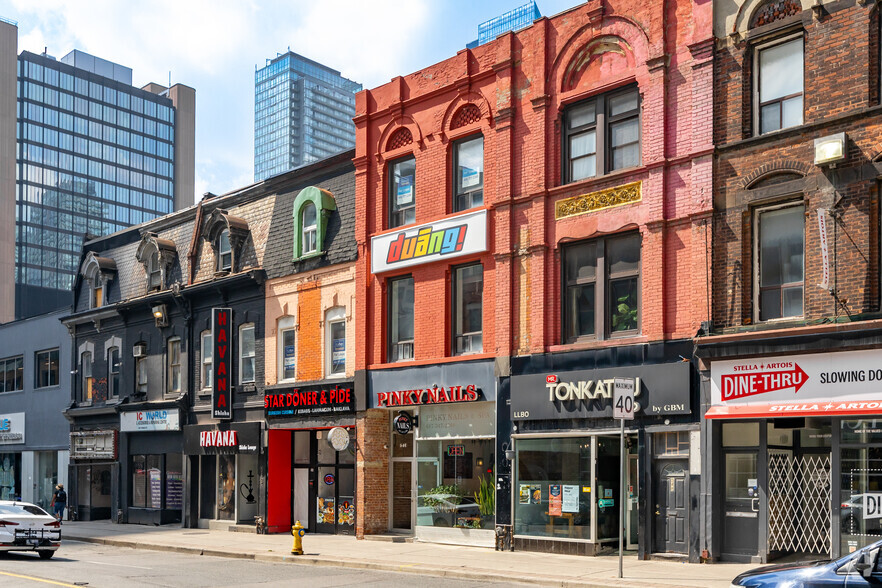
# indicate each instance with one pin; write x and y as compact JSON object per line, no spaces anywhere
{"x":532,"y":222}
{"x":796,"y":280}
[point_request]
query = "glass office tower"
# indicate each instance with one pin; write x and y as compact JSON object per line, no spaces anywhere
{"x":302,"y":113}
{"x":94,"y":155}
{"x":513,"y":20}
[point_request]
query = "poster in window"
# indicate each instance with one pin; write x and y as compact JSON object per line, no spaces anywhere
{"x":536,"y":494}
{"x":289,"y":357}
{"x":155,"y":477}
{"x":325,"y":510}
{"x":346,"y":512}
{"x":405,"y":191}
{"x":524,"y":494}
{"x":554,"y":500}
{"x":470,"y":177}
{"x":174,"y":490}
{"x":338,"y":353}
{"x":570,"y":498}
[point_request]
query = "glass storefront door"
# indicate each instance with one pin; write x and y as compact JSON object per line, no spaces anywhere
{"x":46,"y":477}
{"x":402,"y":483}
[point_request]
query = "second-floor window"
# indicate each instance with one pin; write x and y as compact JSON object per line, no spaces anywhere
{"x":141,"y":375}
{"x":174,"y":366}
{"x":780,"y":247}
{"x":601,"y":288}
{"x":402,"y":192}
{"x":335,"y":341}
{"x":601,"y":135}
{"x":468,"y":169}
{"x":246,"y":354}
{"x":401,"y":319}
{"x":780,"y":85}
{"x":309,"y":228}
{"x":205,"y":372}
{"x":468,"y":307}
{"x":86,"y":372}
{"x":46,"y":368}
{"x":113,"y":372}
{"x":12,"y":374}
{"x":224,"y":251}
{"x":287,"y":352}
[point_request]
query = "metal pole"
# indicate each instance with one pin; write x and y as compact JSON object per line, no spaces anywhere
{"x":621,"y":494}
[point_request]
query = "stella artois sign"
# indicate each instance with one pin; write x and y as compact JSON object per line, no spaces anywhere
{"x":843,"y":383}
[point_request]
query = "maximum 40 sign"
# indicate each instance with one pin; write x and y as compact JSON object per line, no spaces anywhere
{"x":623,"y":398}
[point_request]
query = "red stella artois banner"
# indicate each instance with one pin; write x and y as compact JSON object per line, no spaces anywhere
{"x":843,"y":383}
{"x":439,"y":395}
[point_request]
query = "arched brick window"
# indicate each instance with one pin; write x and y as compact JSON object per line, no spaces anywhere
{"x":399,"y":138}
{"x":465,"y":116}
{"x":774,"y":10}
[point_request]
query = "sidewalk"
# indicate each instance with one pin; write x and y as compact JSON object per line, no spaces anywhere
{"x":422,"y":558}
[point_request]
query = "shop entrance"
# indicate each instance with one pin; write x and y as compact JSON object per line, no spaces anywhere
{"x":671,"y":506}
{"x":778,"y":489}
{"x":323,"y":483}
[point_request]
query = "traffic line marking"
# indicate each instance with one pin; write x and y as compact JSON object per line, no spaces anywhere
{"x":38,"y":580}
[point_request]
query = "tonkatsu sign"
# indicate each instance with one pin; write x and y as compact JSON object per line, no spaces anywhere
{"x":451,"y":237}
{"x":843,"y":383}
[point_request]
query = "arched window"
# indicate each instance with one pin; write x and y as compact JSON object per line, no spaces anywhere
{"x":309,"y":228}
{"x":154,"y":278}
{"x":224,"y":251}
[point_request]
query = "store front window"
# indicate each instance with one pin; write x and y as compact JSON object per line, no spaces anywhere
{"x":93,"y":491}
{"x":562,"y":466}
{"x":455,"y":483}
{"x":46,"y":477}
{"x":157,"y":481}
{"x":861,"y":484}
{"x":10,"y":476}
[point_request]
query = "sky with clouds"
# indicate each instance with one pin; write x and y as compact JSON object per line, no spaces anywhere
{"x":215,"y":45}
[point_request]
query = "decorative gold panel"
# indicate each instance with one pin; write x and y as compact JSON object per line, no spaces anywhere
{"x":598,"y":200}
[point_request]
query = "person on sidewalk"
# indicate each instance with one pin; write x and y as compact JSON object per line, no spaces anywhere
{"x":59,"y":501}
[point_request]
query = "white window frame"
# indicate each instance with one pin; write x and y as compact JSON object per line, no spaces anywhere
{"x":308,"y":233}
{"x":221,"y":253}
{"x":206,"y":362}
{"x":141,"y":375}
{"x":757,"y":286}
{"x":243,"y":357}
{"x":285,"y":324}
{"x":755,"y":93}
{"x":87,"y":381}
{"x":170,"y":366}
{"x":112,"y":391}
{"x":333,"y":316}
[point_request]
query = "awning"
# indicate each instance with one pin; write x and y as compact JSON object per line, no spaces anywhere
{"x":845,"y":383}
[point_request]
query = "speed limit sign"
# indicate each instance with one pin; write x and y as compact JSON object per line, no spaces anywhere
{"x":623,"y":398}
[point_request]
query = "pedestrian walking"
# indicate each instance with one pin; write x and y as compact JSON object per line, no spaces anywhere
{"x":59,"y":501}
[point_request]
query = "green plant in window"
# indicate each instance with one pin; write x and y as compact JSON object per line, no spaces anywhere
{"x":444,"y":498}
{"x":485,"y":497}
{"x":624,"y":316}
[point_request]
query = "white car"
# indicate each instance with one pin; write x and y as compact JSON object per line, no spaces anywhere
{"x":27,"y":527}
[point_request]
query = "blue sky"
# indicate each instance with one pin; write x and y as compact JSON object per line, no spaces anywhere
{"x":214,"y":46}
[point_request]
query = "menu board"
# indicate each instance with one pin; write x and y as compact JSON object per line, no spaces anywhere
{"x":155,"y":488}
{"x":570,"y":498}
{"x":174,"y":490}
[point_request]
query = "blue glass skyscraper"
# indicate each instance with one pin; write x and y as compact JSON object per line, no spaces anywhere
{"x":302,"y":113}
{"x":512,"y":20}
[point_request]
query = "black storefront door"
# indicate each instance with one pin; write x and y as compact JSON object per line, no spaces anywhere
{"x":741,"y":505}
{"x":671,"y":506}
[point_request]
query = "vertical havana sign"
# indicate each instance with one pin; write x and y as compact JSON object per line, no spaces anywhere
{"x":222,"y":341}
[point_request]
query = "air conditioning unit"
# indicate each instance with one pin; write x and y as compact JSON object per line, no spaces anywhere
{"x":139,"y":350}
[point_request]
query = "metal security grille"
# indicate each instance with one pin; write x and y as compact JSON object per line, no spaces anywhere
{"x":799,"y":503}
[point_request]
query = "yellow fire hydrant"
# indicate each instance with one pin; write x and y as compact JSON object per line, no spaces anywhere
{"x":298,"y":532}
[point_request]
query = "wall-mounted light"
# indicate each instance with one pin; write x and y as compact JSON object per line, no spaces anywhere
{"x":479,"y":462}
{"x":160,"y":315}
{"x":830,"y":150}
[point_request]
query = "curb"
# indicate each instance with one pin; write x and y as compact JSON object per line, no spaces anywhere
{"x":484,"y":576}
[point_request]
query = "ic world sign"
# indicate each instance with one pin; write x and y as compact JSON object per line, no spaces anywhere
{"x":326,"y":400}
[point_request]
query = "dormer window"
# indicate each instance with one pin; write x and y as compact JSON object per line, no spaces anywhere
{"x":157,"y":255}
{"x":97,"y":273}
{"x":227,"y":235}
{"x":224,"y":252}
{"x":312,"y":209}
{"x":309,"y":230}
{"x":154,"y":273}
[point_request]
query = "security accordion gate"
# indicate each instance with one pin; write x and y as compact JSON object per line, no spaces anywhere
{"x":799,"y":503}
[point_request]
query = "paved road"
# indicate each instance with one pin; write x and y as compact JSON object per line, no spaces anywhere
{"x":100,"y":566}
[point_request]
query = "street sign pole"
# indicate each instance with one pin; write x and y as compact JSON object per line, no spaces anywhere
{"x":623,"y":409}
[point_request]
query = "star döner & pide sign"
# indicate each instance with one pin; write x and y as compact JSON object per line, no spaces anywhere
{"x":841,"y":383}
{"x":318,"y":400}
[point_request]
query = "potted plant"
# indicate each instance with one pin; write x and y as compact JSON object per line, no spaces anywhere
{"x":624,"y":317}
{"x":485,"y":497}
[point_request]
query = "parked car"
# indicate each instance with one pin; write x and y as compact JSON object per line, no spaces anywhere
{"x":861,"y":568}
{"x":27,"y":527}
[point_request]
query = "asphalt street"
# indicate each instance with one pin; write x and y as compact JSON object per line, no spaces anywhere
{"x":100,"y":566}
